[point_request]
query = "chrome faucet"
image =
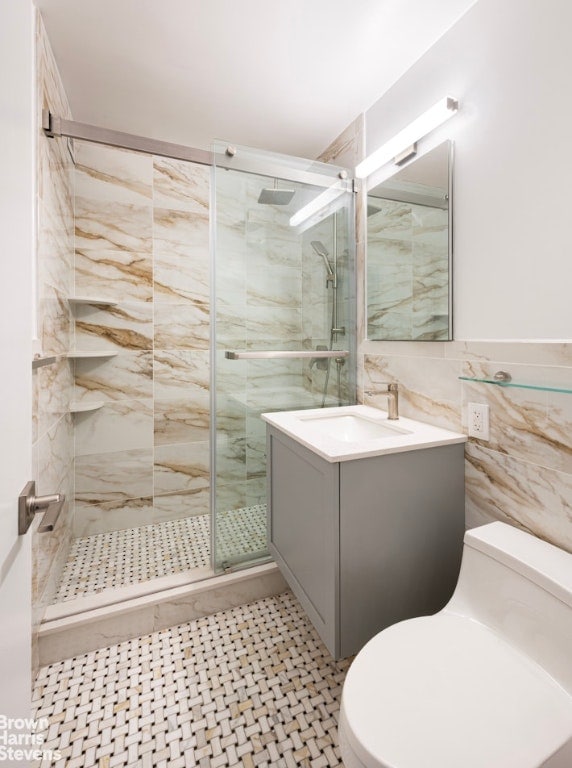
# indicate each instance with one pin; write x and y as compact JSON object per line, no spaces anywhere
{"x":392,"y":395}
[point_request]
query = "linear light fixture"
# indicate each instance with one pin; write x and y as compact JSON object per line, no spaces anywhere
{"x":420,"y":127}
{"x":318,"y":203}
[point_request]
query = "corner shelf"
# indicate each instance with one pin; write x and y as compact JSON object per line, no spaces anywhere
{"x":95,"y":301}
{"x":79,"y":355}
{"x":538,"y":387}
{"x":76,"y":407}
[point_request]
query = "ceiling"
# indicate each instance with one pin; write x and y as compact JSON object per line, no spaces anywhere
{"x":281,"y":75}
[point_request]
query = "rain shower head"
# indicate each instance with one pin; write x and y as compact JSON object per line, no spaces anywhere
{"x":322,"y":251}
{"x":275,"y":196}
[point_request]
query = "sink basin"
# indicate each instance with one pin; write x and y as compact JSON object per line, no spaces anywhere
{"x":352,"y":428}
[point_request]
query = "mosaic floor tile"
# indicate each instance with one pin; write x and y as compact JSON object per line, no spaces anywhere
{"x":134,"y":555}
{"x":249,"y":686}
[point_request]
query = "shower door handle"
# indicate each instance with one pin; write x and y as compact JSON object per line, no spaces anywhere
{"x":29,"y":504}
{"x":285,"y":353}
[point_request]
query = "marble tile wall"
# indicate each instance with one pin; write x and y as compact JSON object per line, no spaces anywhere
{"x":142,"y":244}
{"x":523,"y":474}
{"x":52,"y":449}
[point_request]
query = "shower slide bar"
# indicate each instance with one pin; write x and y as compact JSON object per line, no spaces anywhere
{"x":283,"y":353}
{"x":55,"y":127}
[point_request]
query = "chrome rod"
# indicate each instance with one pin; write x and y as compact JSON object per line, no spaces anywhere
{"x":283,"y":353}
{"x":57,"y":126}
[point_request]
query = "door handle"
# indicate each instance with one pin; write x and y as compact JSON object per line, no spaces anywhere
{"x":29,"y":504}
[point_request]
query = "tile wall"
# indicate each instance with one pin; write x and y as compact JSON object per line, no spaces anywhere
{"x":523,"y":474}
{"x":53,"y":384}
{"x":142,"y":243}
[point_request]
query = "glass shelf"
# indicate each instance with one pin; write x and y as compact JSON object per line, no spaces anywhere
{"x":539,"y":387}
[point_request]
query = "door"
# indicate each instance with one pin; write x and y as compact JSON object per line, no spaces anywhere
{"x":282,"y":318}
{"x":16,"y":253}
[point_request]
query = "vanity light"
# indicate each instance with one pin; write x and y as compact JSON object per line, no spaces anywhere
{"x":318,"y":203}
{"x":424,"y":124}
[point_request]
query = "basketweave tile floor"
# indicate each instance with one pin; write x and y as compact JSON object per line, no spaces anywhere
{"x":249,"y":686}
{"x":133,"y":555}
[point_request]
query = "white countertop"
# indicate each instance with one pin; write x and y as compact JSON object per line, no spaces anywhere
{"x":316,"y":429}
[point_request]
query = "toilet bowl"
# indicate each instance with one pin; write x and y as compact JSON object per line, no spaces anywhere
{"x":484,"y":683}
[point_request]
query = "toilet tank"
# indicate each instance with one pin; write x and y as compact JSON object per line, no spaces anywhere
{"x":520,"y":587}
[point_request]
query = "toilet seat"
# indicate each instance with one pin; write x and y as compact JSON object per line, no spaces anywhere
{"x":444,"y":691}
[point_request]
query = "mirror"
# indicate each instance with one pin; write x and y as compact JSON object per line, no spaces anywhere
{"x":409,"y":252}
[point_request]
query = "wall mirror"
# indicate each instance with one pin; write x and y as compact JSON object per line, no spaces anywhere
{"x":409,"y":251}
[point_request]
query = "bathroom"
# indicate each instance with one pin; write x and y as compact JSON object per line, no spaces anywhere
{"x":508,"y":67}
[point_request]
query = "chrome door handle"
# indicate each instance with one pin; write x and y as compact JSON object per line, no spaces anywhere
{"x":29,"y":504}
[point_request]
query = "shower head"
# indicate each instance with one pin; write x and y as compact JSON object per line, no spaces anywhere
{"x":275,"y":196}
{"x":321,"y":250}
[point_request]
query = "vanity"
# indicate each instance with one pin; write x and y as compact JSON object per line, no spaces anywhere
{"x":366,"y":517}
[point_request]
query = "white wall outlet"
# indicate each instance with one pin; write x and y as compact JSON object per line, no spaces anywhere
{"x":479,"y":421}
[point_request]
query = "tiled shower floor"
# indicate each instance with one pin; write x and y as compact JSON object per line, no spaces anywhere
{"x":134,"y":555}
{"x":249,"y":686}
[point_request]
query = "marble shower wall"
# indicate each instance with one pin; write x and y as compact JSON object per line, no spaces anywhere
{"x":523,"y":474}
{"x":141,"y":244}
{"x":52,"y":449}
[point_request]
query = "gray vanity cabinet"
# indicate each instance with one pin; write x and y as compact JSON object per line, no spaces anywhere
{"x":365,"y":543}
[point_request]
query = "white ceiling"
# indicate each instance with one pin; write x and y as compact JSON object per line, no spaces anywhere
{"x":282,"y":75}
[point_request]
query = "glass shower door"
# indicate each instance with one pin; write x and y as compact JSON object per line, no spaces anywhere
{"x":283,"y":322}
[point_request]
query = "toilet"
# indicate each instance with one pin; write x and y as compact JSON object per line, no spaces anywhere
{"x":484,"y":683}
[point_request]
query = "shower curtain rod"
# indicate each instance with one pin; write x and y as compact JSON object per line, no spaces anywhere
{"x":56,"y":127}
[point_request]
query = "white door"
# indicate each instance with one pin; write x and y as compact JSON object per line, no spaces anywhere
{"x":16,"y":253}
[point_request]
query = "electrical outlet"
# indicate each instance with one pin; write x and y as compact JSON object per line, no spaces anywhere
{"x":479,"y":421}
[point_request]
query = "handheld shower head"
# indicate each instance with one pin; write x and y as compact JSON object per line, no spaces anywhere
{"x":321,"y":250}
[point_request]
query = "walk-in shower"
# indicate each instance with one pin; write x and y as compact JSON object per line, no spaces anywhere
{"x":198,"y":303}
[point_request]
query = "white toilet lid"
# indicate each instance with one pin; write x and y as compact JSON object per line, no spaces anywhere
{"x":445,"y":691}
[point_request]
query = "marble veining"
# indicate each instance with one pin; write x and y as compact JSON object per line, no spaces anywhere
{"x":523,"y":474}
{"x":114,"y":275}
{"x":181,"y":467}
{"x":114,"y":476}
{"x":126,"y":326}
{"x":109,"y":174}
{"x":179,"y":185}
{"x":128,"y":376}
{"x":503,"y":488}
